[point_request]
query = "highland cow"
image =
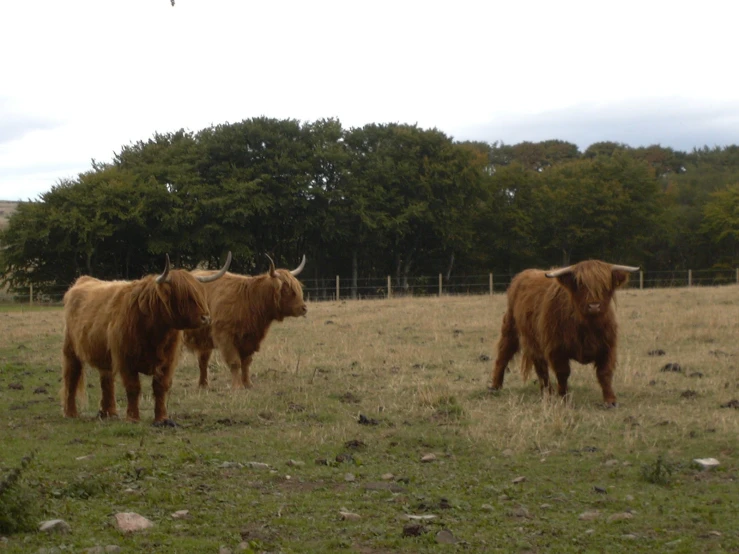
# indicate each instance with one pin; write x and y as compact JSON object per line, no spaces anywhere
{"x":561,"y":315}
{"x":126,"y":328}
{"x":243,"y":309}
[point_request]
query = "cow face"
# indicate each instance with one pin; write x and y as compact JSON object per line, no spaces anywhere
{"x":591,"y":286}
{"x":289,"y":299}
{"x":185,"y":301}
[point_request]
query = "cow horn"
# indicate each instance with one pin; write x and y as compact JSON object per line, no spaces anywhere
{"x":624,"y":268}
{"x":163,"y":277}
{"x":298,"y":269}
{"x":272,"y":269}
{"x":558,"y":272}
{"x":221,"y":272}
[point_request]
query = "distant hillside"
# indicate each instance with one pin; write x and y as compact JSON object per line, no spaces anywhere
{"x":6,"y":208}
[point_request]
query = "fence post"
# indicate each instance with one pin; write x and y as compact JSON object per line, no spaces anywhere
{"x":30,"y":294}
{"x":641,"y":280}
{"x":337,"y":288}
{"x":491,"y":283}
{"x":440,"y":284}
{"x":389,"y":288}
{"x":690,"y":277}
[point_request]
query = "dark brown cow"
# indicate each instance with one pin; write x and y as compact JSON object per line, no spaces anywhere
{"x":243,"y":309}
{"x":126,"y":328}
{"x":561,"y":315}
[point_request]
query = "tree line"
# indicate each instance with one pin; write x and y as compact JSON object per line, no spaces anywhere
{"x":382,"y":199}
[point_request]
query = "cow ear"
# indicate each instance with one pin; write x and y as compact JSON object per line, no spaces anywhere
{"x":568,"y":281}
{"x":620,"y":278}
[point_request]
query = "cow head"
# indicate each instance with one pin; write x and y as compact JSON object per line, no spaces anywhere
{"x":591,"y":284}
{"x":182,"y":296}
{"x":288,"y":291}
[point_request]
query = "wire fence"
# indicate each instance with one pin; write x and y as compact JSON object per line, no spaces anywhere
{"x":339,"y":288}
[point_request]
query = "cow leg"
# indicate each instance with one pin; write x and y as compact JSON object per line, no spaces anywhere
{"x":604,"y":371}
{"x":245,"y":378}
{"x":161,"y":383}
{"x":233,"y":360}
{"x":203,"y":360}
{"x":132,"y":383}
{"x":562,"y":371}
{"x":542,"y":374}
{"x":107,"y":401}
{"x":507,"y":347}
{"x":72,"y":378}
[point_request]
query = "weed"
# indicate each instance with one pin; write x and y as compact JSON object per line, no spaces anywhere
{"x":19,"y":504}
{"x":659,"y":472}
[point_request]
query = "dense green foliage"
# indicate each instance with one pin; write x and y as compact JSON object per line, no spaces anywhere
{"x":378,"y":200}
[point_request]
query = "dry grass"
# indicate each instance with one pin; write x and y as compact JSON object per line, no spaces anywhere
{"x":420,"y":368}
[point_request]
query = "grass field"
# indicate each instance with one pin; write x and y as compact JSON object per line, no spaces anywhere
{"x":511,"y":473}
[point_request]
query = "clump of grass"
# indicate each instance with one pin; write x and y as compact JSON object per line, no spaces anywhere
{"x":448,"y":409}
{"x":659,"y":472}
{"x":19,"y":505}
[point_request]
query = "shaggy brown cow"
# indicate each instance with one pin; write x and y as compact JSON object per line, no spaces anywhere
{"x":562,"y":315}
{"x":243,"y":308}
{"x":127,"y":328}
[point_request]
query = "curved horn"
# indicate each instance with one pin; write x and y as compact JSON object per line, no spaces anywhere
{"x":558,"y":272}
{"x":272,"y":268}
{"x":163,"y":277}
{"x":624,"y":268}
{"x":298,"y":269}
{"x":221,"y":272}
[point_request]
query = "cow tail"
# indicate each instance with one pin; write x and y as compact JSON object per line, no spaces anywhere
{"x":526,"y":365}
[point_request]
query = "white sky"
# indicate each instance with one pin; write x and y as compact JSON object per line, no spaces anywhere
{"x":81,"y":78}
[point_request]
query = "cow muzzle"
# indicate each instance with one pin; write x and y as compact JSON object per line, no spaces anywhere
{"x":594,"y":308}
{"x":205,"y":319}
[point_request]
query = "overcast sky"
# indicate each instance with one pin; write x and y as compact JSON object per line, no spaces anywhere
{"x":81,"y":78}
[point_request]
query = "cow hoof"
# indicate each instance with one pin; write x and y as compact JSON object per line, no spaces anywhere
{"x":107,"y":415}
{"x":165,"y":423}
{"x":610,"y":405}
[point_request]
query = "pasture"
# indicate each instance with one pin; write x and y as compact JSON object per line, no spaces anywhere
{"x":347,"y":405}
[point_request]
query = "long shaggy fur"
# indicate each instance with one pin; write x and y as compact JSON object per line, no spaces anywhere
{"x":555,"y":320}
{"x":242,"y":310}
{"x":123,"y":328}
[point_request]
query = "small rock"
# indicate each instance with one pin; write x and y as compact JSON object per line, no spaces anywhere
{"x":673,"y":367}
{"x":349,"y":477}
{"x":589,"y":516}
{"x":40,"y":390}
{"x":657,"y":352}
{"x":600,"y":490}
{"x":674,"y":543}
{"x":181,"y":514}
{"x":112,"y":549}
{"x":445,"y":536}
{"x":295,"y":463}
{"x":630,"y":536}
{"x":504,"y":497}
{"x":387,"y":477}
{"x":130,"y":521}
{"x":589,"y":531}
{"x":426,"y":458}
{"x":243,"y":546}
{"x":619,"y":517}
{"x":348,"y":516}
{"x":688,"y":394}
{"x":507,"y":453}
{"x":715,"y":533}
{"x":94,"y":550}
{"x":706,"y":463}
{"x":422,"y":517}
{"x":364,"y":420}
{"x":487,"y":508}
{"x":55,"y":526}
{"x":609,"y":463}
{"x":629,"y":498}
{"x":355,"y":444}
{"x":521,"y":511}
{"x":257,"y":465}
{"x":696,"y":374}
{"x":15,"y":386}
{"x":229,"y":465}
{"x":413,"y":530}
{"x":518,"y":480}
{"x":224,"y":550}
{"x":89,"y":456}
{"x":545,"y":506}
{"x":731,"y":404}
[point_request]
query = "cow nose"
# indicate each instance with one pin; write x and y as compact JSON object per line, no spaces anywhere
{"x":594,"y":307}
{"x":305,"y":310}
{"x":205,"y":319}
